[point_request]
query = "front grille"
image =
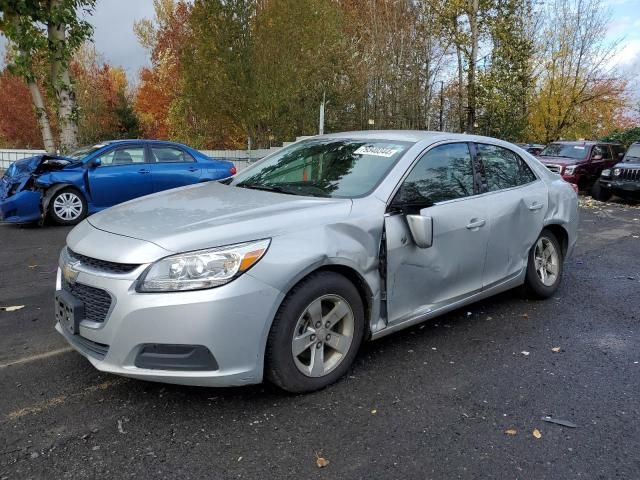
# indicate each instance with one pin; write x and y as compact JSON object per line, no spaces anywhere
{"x":95,"y":349}
{"x":554,"y":168}
{"x":102,"y":265}
{"x":629,"y":174}
{"x":97,"y":302}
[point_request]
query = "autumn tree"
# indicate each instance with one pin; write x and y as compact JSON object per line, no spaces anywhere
{"x":166,"y":36}
{"x":18,"y":122}
{"x":104,"y":100}
{"x":54,"y":30}
{"x":574,"y":73}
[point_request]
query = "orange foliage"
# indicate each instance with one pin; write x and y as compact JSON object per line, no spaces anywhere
{"x":159,"y":85}
{"x":18,"y":122}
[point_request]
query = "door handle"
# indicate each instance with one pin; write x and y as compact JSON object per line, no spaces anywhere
{"x":193,"y":169}
{"x":142,"y":170}
{"x":535,"y":206}
{"x":476,"y":223}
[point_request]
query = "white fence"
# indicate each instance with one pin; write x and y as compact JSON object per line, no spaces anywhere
{"x":240,"y":158}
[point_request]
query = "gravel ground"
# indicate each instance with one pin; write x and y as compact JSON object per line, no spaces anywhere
{"x":431,"y":402}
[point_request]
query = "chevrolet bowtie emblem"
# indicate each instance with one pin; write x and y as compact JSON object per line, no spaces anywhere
{"x":69,"y":273}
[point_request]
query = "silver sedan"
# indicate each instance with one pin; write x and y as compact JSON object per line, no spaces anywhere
{"x":282,"y":272}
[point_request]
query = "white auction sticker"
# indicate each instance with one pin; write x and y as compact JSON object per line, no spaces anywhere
{"x":378,"y":150}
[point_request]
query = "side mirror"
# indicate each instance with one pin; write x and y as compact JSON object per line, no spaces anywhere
{"x":596,"y":157}
{"x":421,"y":229}
{"x":96,"y":162}
{"x":620,"y":155}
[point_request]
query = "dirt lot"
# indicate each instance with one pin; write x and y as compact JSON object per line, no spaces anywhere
{"x":430,"y":402}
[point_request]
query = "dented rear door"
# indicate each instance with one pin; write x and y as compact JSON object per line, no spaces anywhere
{"x":516,"y":206}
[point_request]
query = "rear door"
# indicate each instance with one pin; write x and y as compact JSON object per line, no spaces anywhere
{"x":172,"y":167}
{"x":516,"y":204}
{"x":440,"y":186}
{"x":123,"y":174}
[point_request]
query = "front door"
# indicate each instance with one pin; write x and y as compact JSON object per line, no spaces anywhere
{"x":418,"y":280}
{"x":121,"y":175}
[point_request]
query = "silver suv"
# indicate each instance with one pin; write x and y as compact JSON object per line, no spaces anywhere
{"x":333,"y":240}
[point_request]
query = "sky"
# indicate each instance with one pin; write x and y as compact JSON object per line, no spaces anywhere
{"x":114,"y":38}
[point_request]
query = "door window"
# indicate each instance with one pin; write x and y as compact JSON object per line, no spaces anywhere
{"x":503,"y":168}
{"x":122,"y":156}
{"x":170,"y":155}
{"x":602,"y":150}
{"x":444,"y":173}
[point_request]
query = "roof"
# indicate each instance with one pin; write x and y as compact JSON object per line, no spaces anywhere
{"x":409,"y":136}
{"x":141,"y":140}
{"x":585,"y":142}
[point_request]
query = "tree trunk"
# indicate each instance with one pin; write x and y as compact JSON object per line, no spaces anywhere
{"x":471,"y":74}
{"x":43,"y":118}
{"x":460,"y":87}
{"x":61,"y":81}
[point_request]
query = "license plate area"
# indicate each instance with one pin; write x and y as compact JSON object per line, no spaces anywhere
{"x":69,"y":311}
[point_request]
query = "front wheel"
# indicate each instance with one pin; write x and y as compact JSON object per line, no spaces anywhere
{"x":599,"y":193}
{"x":316,"y":333}
{"x":67,"y":207}
{"x":544,"y":267}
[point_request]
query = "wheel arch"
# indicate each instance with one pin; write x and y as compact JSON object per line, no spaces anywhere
{"x":561,"y":234}
{"x":50,"y":192}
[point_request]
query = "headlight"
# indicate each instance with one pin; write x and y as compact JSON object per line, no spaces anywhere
{"x":606,"y":172}
{"x":201,"y":269}
{"x":616,"y":172}
{"x":570,"y":169}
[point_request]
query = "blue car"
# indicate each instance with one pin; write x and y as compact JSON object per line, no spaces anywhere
{"x":66,"y":189}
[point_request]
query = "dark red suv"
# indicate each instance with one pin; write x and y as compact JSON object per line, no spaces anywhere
{"x":581,"y":162}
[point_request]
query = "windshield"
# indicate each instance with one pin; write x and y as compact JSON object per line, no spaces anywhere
{"x":567,"y":151}
{"x":633,"y":153}
{"x":340,"y":168}
{"x":83,"y":152}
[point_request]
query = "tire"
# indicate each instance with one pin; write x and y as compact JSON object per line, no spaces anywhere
{"x":67,"y":207}
{"x":599,"y":193}
{"x":542,"y":282}
{"x":308,"y":303}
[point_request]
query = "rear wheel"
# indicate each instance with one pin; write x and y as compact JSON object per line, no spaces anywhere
{"x":67,"y":207}
{"x":316,"y":333}
{"x":544,"y":269}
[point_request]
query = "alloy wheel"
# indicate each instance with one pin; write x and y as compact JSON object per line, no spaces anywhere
{"x":547,"y":261}
{"x":67,"y":206}
{"x":323,"y":335}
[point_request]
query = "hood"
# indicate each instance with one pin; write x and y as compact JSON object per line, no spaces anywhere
{"x":558,"y":160}
{"x":630,"y":164}
{"x":36,"y":164}
{"x":211,"y":214}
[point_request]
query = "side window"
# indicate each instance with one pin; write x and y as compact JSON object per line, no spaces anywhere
{"x":618,"y":152}
{"x":443,"y":173}
{"x":122,"y":156}
{"x":606,"y":152}
{"x":503,"y":168}
{"x":170,"y":155}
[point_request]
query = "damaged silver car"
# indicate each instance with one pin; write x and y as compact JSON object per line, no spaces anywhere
{"x":285,"y":270}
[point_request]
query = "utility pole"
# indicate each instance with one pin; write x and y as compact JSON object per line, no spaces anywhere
{"x":321,"y":128}
{"x":441,"y":105}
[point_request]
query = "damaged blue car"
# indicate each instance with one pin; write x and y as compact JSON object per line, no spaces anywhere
{"x":67,"y":189}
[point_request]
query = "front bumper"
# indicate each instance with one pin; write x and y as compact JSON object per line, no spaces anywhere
{"x":621,"y":187}
{"x":231,"y":321}
{"x":22,"y":207}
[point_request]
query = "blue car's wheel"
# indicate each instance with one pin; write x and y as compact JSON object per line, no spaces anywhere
{"x":67,"y":207}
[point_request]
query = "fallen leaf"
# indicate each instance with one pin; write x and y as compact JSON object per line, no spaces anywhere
{"x":555,"y":349}
{"x":12,"y":308}
{"x":511,"y":431}
{"x":33,"y":266}
{"x":321,"y":462}
{"x":525,"y":353}
{"x":525,"y":315}
{"x":374,"y":411}
{"x":536,"y":433}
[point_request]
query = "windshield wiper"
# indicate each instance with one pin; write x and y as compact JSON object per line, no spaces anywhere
{"x":266,"y":188}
